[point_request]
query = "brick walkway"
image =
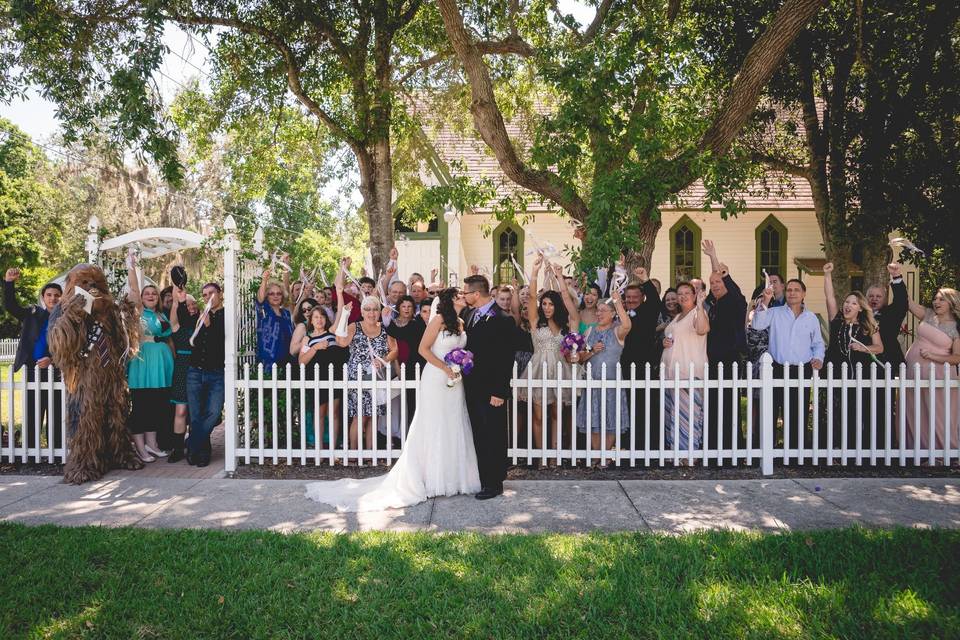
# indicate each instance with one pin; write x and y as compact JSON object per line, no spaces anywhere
{"x":162,"y":469}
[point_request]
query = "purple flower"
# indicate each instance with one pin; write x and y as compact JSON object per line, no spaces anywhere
{"x":572,"y":342}
{"x":462,"y":358}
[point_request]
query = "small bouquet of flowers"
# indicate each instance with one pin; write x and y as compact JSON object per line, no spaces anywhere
{"x":461,"y":361}
{"x":571,"y":344}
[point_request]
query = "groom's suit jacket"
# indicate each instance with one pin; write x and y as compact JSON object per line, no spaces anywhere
{"x":492,"y":339}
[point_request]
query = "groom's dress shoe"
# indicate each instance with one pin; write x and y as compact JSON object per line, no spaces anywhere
{"x":487,"y":493}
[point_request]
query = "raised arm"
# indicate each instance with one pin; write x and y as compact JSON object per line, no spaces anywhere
{"x":762,"y":316}
{"x":626,"y":323}
{"x":918,"y":310}
{"x":711,"y":250}
{"x":568,"y":300}
{"x":898,"y":306}
{"x":828,"y":291}
{"x":701,"y":321}
{"x":515,"y":302}
{"x":133,"y":282}
{"x":179,"y":295}
{"x":533,"y":317}
{"x":264,"y":281}
{"x":10,"y":295}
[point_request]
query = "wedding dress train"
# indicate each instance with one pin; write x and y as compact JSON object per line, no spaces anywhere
{"x":438,"y":458}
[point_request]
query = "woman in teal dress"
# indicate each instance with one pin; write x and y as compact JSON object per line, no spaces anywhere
{"x":149,"y":376}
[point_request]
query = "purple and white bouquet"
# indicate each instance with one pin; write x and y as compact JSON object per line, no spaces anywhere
{"x":461,"y":362}
{"x":571,"y":344}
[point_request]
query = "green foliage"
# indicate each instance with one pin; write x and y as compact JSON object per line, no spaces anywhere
{"x":882,"y":77}
{"x":33,"y":210}
{"x":610,"y":116}
{"x":936,"y":272}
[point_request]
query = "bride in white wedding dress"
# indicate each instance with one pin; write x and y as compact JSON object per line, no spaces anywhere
{"x":438,"y":458}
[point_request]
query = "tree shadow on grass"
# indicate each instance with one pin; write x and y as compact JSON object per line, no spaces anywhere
{"x":127,"y":583}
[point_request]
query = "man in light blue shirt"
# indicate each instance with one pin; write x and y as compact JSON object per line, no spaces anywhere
{"x":795,"y":339}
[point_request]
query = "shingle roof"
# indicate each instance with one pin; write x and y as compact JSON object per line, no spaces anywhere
{"x":785,"y":191}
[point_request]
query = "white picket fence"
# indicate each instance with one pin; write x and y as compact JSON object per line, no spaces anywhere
{"x":8,"y":350}
{"x":853,"y":417}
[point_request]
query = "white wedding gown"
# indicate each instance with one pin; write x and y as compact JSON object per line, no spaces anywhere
{"x":438,"y":458}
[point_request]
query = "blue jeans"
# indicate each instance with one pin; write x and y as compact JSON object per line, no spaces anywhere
{"x":205,"y":399}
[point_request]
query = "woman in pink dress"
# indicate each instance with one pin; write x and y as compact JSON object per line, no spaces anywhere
{"x":685,"y":342}
{"x":937,"y":342}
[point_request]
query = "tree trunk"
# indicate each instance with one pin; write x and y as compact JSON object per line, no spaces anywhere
{"x":376,"y":188}
{"x":876,"y":257}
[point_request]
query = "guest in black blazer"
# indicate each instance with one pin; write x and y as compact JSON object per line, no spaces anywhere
{"x":32,"y":350}
{"x":890,"y":316}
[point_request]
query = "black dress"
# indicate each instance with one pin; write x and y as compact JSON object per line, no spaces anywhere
{"x":408,"y":339}
{"x":842,"y":336}
{"x":333,"y":354}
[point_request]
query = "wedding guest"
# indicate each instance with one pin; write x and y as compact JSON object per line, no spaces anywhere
{"x":150,"y":374}
{"x":890,"y":317}
{"x":643,"y":305}
{"x":296,"y":296}
{"x":183,"y":320}
{"x":854,"y":340}
{"x":166,"y":300}
{"x":685,"y":343}
{"x":319,"y":351}
{"x":657,"y":286}
{"x":274,"y":325}
{"x":550,"y":320}
{"x":418,"y":291}
{"x":407,"y":329}
{"x":301,"y":315}
{"x":423,"y":311}
{"x":589,"y":307}
{"x":504,"y":298}
{"x":937,"y":343}
{"x":795,"y":339}
{"x":726,"y":343}
{"x":669,"y":310}
{"x":32,"y":352}
{"x":205,"y":384}
{"x":368,"y":286}
{"x":604,"y":342}
{"x":371,"y":352}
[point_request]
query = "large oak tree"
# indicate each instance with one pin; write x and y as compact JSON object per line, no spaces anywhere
{"x":634,"y":119}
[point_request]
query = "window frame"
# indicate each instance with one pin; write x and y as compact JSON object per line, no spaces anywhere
{"x":697,"y":239}
{"x":771,"y":220}
{"x":499,"y":231}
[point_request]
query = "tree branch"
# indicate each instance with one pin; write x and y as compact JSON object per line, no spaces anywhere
{"x":290,"y":61}
{"x":780,"y":164}
{"x":489,"y":121}
{"x":758,"y":67}
{"x":514,"y":45}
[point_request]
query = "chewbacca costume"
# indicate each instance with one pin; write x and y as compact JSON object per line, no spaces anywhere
{"x":91,"y":351}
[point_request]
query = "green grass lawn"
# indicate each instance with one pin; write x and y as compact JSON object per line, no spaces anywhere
{"x":133,"y":583}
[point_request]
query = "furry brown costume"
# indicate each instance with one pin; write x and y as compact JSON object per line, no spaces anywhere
{"x":91,"y":351}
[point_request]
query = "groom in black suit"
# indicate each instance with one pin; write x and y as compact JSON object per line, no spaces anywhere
{"x":491,"y":338}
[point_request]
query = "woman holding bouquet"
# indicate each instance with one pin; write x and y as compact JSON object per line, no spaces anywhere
{"x":550,"y":321}
{"x":438,"y":458}
{"x":604,"y":344}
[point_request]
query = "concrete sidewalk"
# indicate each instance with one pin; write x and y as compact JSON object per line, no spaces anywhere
{"x":525,"y":507}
